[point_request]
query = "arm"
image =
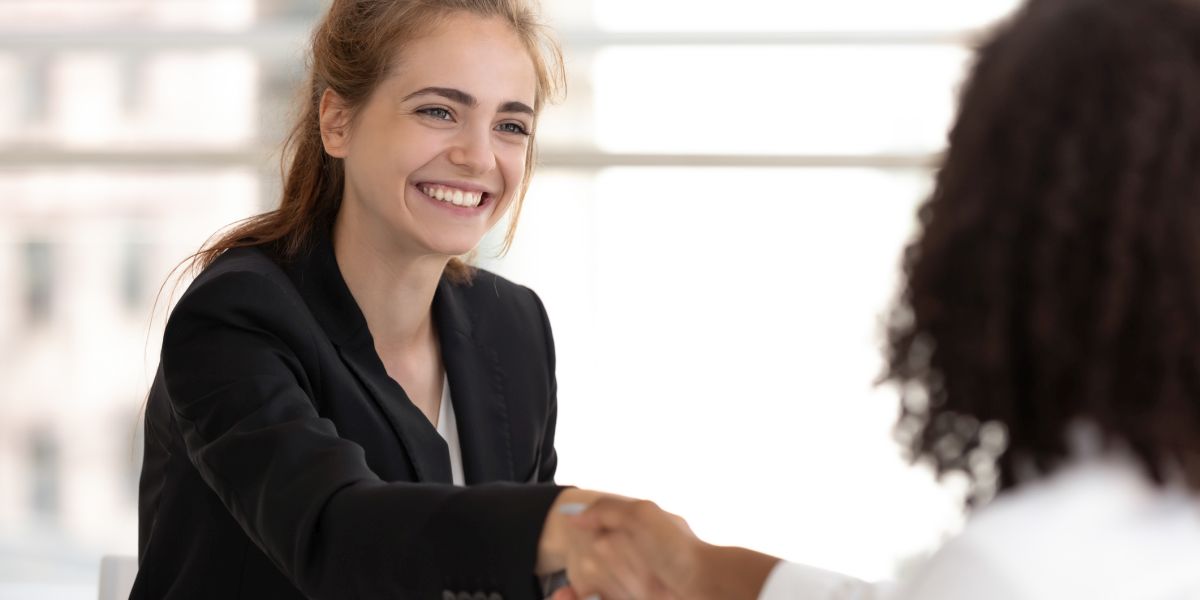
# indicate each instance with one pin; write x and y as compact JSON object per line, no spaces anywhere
{"x":234,"y":362}
{"x":690,"y":568}
{"x":549,"y":456}
{"x":964,"y":569}
{"x":686,"y":565}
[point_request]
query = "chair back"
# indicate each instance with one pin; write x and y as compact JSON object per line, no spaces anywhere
{"x":116,"y":576}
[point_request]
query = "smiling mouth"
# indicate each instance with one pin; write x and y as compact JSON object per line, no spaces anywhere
{"x":454,"y":196}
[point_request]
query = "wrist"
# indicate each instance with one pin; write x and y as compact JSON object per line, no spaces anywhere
{"x":553,"y":545}
{"x":730,"y":573}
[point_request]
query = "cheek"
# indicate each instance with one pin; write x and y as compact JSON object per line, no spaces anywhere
{"x":368,"y":156}
{"x":397,"y":148}
{"x":512,"y":166}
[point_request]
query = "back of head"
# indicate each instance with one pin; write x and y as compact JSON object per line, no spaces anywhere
{"x":1056,"y":277}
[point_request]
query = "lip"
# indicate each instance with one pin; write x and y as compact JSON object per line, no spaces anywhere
{"x":485,"y":203}
{"x":462,"y":185}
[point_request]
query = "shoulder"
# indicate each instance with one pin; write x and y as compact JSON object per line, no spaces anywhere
{"x":241,"y":270}
{"x":486,"y":286}
{"x":241,"y":284}
{"x":1088,"y":531}
{"x":495,"y":311}
{"x":492,"y":296}
{"x":963,"y":569}
{"x":243,"y":264}
{"x":241,"y":318}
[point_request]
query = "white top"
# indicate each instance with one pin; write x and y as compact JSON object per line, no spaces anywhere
{"x":1097,"y":529}
{"x":447,"y":427}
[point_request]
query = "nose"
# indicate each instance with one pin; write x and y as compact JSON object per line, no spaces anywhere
{"x":472,"y":150}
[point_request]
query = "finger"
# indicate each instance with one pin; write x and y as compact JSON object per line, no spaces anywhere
{"x":609,"y":513}
{"x":585,"y":523}
{"x":607,"y":566}
{"x":564,"y":593}
{"x":595,"y":585}
{"x":592,"y":578}
{"x":662,"y":540}
{"x":659,"y":591}
{"x":621,"y":557}
{"x":681,"y":524}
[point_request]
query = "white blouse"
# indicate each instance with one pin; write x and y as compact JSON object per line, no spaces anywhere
{"x":447,"y":427}
{"x":1097,"y":529}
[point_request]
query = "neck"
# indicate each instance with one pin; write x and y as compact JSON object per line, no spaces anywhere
{"x":394,"y":289}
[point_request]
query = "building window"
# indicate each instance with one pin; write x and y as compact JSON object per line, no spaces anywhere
{"x":133,"y":274}
{"x":39,"y":280}
{"x":44,"y":462}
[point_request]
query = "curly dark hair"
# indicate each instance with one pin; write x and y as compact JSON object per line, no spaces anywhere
{"x":1056,"y":274}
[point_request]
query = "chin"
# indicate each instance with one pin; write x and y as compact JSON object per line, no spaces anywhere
{"x":455,"y":248}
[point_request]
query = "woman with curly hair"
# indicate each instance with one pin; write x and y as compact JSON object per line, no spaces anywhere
{"x":1046,"y":342}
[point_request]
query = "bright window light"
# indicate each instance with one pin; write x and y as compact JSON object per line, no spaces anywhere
{"x":798,"y":15}
{"x":717,"y":334}
{"x":775,"y":100}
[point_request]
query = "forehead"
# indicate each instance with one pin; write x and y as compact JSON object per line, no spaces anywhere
{"x":481,"y":56}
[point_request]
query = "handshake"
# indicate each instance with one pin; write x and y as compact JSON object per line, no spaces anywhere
{"x":618,"y":548}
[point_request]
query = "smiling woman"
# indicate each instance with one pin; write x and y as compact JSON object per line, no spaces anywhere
{"x":337,"y":374}
{"x":453,"y":117}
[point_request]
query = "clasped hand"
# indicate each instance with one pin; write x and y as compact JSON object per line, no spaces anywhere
{"x":624,"y":549}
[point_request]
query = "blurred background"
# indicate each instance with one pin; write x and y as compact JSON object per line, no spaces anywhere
{"x":714,"y":229}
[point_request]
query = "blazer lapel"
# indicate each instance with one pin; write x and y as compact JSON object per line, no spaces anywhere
{"x":320,"y":282}
{"x":476,"y":389}
{"x":426,"y":449}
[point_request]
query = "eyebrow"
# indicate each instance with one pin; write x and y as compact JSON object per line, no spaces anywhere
{"x":462,"y":97}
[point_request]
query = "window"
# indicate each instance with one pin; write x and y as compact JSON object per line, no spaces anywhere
{"x":134,"y":288}
{"x":44,"y":469}
{"x":714,"y":229}
{"x":39,"y":280}
{"x":715,"y":232}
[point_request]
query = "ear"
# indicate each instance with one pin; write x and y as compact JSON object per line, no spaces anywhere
{"x":334,"y":118}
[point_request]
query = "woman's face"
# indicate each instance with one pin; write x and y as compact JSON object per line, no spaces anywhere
{"x":437,"y":154}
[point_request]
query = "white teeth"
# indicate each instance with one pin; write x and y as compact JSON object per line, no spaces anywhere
{"x":453,"y":196}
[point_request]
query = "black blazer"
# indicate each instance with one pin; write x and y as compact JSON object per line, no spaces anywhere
{"x":281,"y":460}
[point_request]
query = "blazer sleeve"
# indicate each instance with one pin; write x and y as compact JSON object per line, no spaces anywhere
{"x":548,"y":456}
{"x":233,"y":364}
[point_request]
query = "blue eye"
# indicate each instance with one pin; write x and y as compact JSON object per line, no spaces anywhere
{"x":436,"y":112}
{"x":516,"y":128}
